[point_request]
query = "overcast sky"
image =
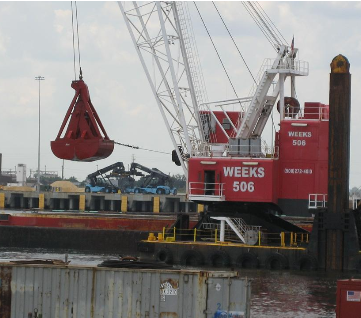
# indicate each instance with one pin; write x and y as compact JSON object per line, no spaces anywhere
{"x":36,"y":39}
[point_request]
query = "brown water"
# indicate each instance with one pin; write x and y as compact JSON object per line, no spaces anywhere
{"x":281,"y":294}
{"x":293,"y":294}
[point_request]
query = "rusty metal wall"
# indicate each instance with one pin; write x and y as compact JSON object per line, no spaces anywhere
{"x":92,"y":292}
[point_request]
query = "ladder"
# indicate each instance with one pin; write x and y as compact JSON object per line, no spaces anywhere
{"x":238,"y":225}
{"x":261,"y":105}
{"x":192,"y":67}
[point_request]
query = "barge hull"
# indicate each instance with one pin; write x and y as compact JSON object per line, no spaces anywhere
{"x":67,"y":240}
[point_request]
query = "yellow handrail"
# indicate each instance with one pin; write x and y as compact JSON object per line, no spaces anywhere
{"x":283,"y":239}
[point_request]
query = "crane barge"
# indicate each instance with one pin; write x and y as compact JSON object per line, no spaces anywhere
{"x":243,"y":182}
{"x":228,"y":165}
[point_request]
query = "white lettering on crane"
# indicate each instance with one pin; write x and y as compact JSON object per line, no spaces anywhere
{"x":244,"y":172}
{"x":228,"y":171}
{"x":302,"y":134}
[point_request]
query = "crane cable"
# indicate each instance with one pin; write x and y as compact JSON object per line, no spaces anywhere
{"x":214,"y":46}
{"x":265,"y":24}
{"x":80,"y":70}
{"x":72,"y":27}
{"x":259,"y":25}
{"x":140,"y":148}
{"x":265,"y":15}
{"x":77,"y":35}
{"x":234,"y":43}
{"x":259,"y":14}
{"x":269,"y":25}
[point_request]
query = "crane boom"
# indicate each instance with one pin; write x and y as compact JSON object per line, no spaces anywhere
{"x":162,"y":35}
{"x":163,"y":44}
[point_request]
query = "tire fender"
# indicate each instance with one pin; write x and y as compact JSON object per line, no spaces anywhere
{"x":247,"y":260}
{"x":307,"y":263}
{"x":164,"y":255}
{"x":219,"y":259}
{"x":276,"y":261}
{"x":192,"y":258}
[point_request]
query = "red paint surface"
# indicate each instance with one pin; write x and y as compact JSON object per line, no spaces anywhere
{"x":89,"y":222}
{"x":242,"y":182}
{"x":303,"y":159}
{"x":85,"y":138}
{"x":307,"y":227}
{"x":346,"y":306}
{"x":301,"y":168}
{"x":216,"y":133}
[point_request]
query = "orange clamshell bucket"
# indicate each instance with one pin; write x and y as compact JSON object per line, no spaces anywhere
{"x":85,"y":138}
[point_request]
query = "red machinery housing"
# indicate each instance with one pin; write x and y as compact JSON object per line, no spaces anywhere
{"x":83,"y":140}
{"x":290,"y":175}
{"x":348,"y":303}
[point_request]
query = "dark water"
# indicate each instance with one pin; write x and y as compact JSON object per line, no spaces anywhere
{"x":287,"y":294}
{"x":293,"y":294}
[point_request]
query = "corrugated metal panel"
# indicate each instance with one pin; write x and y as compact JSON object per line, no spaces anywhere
{"x":77,"y":292}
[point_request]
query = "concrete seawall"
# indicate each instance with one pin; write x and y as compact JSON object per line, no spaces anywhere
{"x":116,"y":202}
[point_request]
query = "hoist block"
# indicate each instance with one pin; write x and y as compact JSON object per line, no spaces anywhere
{"x":85,"y":138}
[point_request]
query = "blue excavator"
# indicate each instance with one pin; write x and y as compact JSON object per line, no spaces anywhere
{"x":100,"y":181}
{"x":153,"y":181}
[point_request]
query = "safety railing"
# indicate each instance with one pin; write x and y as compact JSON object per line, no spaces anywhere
{"x":243,"y":227}
{"x":252,"y":151}
{"x":308,"y":113}
{"x":288,"y":65}
{"x":206,"y":191}
{"x":355,"y":202}
{"x":242,"y":151}
{"x":211,"y":235}
{"x":201,"y":150}
{"x":316,"y":200}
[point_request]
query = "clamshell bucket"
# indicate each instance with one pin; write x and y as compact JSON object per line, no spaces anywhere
{"x":85,"y":138}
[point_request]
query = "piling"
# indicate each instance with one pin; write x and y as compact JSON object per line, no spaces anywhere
{"x":339,"y":162}
{"x":334,"y":232}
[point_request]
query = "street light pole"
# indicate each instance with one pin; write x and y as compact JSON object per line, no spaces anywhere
{"x":62,"y":171}
{"x":39,"y":78}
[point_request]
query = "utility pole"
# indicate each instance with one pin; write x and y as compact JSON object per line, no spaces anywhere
{"x":39,"y":78}
{"x":62,"y":171}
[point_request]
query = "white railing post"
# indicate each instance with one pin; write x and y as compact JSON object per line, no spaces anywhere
{"x":317,"y":200}
{"x":221,"y":235}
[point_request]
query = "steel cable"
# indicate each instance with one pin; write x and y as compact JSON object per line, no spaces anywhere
{"x":214,"y":46}
{"x":234,"y":42}
{"x":72,"y":27}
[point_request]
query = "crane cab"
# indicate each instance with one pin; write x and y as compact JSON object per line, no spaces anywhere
{"x":286,"y":175}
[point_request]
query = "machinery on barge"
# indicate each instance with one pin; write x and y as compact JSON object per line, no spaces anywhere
{"x":229,"y":166}
{"x":220,"y":145}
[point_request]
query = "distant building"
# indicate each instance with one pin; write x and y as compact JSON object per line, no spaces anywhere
{"x":5,"y":176}
{"x":21,"y":174}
